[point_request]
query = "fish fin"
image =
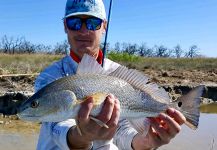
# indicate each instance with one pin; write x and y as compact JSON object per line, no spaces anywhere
{"x":141,"y":125}
{"x":141,"y":82}
{"x":98,"y":98}
{"x":86,"y":62}
{"x":99,"y":122}
{"x":189,"y":105}
{"x":78,"y":127}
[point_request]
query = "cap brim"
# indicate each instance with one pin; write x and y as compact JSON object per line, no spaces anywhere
{"x":84,"y":13}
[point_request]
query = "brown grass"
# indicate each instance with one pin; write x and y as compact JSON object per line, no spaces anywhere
{"x":25,"y":63}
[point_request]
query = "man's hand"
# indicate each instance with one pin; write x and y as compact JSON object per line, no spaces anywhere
{"x":91,"y":130}
{"x":163,"y":128}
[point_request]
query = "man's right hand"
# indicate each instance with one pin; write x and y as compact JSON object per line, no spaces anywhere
{"x":90,"y":129}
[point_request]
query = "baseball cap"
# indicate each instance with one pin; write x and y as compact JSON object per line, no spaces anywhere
{"x":93,"y":8}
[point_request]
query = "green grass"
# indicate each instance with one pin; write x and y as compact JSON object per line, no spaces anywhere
{"x":141,"y":63}
{"x":123,"y":57}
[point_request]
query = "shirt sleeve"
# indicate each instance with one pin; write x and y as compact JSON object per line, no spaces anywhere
{"x":124,"y":135}
{"x":53,"y":135}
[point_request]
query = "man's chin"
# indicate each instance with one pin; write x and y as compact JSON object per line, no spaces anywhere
{"x":85,"y":50}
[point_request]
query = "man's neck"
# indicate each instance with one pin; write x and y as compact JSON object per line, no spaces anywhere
{"x":76,"y":58}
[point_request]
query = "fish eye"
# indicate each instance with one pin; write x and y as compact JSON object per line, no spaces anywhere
{"x":179,"y":104}
{"x":34,"y":104}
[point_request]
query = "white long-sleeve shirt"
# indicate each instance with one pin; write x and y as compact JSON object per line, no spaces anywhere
{"x":53,"y":134}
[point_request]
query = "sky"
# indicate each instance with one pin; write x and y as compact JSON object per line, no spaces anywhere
{"x":154,"y":22}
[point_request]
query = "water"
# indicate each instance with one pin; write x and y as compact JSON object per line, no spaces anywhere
{"x":204,"y":138}
{"x":18,"y":141}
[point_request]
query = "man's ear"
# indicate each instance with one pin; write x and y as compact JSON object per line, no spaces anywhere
{"x":104,"y":26}
{"x":65,"y":27}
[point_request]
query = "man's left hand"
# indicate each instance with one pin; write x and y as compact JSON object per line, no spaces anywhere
{"x":163,"y":128}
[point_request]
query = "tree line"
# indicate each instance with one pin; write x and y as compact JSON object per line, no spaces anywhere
{"x":20,"y":45}
{"x":156,"y":51}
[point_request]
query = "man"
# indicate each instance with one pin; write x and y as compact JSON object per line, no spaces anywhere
{"x":85,"y":23}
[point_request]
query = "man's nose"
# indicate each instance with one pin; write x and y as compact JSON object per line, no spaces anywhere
{"x":83,"y":28}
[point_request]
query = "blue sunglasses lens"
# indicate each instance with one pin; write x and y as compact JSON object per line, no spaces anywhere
{"x":76,"y":23}
{"x":93,"y":23}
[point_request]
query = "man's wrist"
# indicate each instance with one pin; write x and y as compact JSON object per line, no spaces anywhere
{"x":77,"y":142}
{"x":139,"y":142}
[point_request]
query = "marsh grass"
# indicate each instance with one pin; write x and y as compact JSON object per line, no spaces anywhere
{"x":35,"y":63}
{"x":141,"y":63}
{"x":24,"y":63}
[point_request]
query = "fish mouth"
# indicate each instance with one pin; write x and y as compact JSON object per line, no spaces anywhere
{"x":27,"y":117}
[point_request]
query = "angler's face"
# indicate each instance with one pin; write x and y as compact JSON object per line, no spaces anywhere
{"x":81,"y":39}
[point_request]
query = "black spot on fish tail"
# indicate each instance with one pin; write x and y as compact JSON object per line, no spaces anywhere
{"x":189,"y":105}
{"x":179,"y":104}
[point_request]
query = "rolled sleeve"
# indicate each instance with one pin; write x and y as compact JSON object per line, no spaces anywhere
{"x":59,"y":132}
{"x":124,"y":135}
{"x":53,"y":135}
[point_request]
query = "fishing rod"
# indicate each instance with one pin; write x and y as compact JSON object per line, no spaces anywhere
{"x":106,"y":34}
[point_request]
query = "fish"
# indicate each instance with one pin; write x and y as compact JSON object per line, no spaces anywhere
{"x":139,"y":97}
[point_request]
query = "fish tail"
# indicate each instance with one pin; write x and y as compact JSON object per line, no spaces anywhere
{"x":189,"y":106}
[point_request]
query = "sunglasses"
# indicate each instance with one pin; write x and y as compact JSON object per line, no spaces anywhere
{"x":75,"y":23}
